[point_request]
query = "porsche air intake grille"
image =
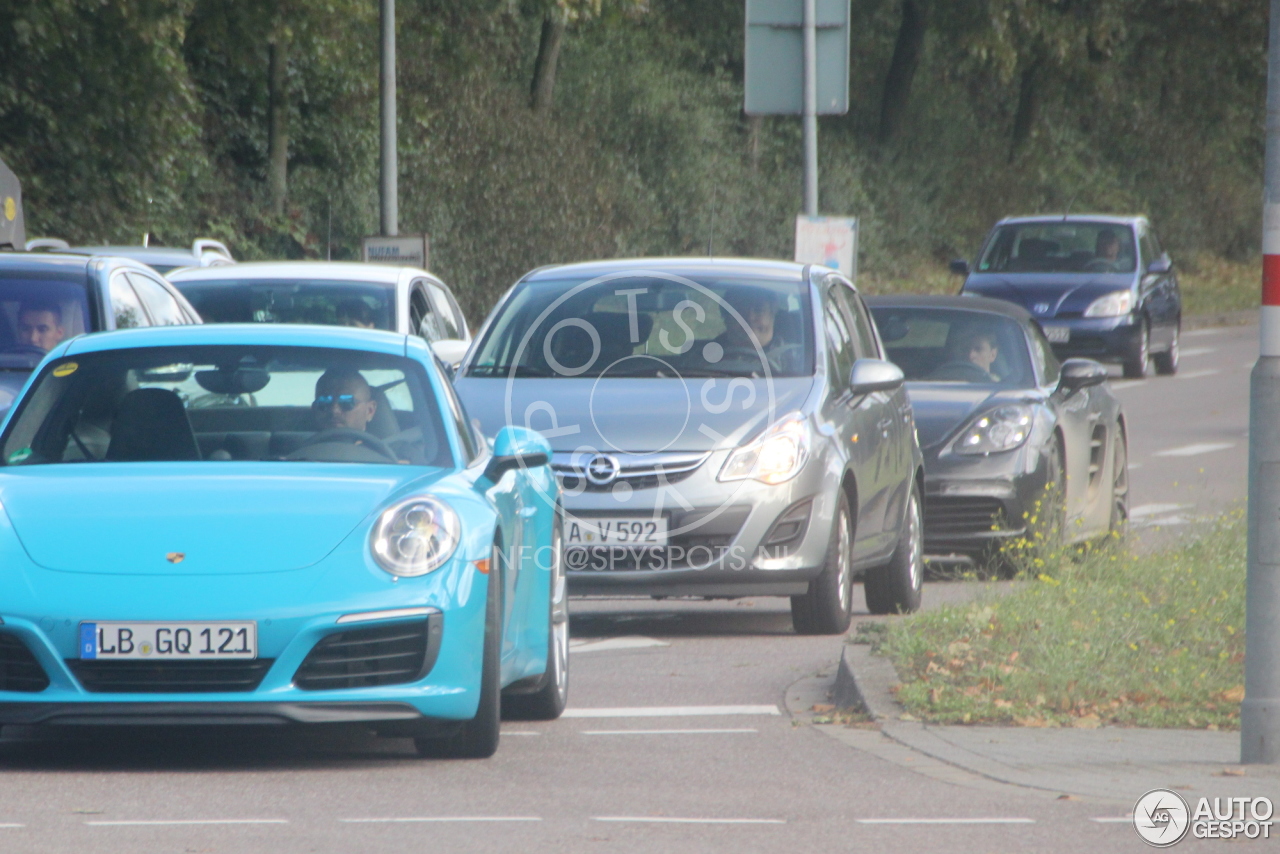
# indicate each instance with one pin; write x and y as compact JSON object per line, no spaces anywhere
{"x":134,"y":676}
{"x":960,"y":514}
{"x":367,"y":658}
{"x":19,"y":670}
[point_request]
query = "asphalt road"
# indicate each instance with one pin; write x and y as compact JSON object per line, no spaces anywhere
{"x":680,"y":736}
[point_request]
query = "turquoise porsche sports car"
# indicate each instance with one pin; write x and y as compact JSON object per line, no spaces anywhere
{"x":274,"y":524}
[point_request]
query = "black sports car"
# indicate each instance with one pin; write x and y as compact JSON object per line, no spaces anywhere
{"x":1000,"y":421}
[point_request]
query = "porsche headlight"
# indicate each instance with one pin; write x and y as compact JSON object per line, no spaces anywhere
{"x":416,"y":536}
{"x":775,"y":457}
{"x":1112,"y":305}
{"x":1001,"y":429}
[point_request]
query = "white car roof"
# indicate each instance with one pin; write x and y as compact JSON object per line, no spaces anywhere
{"x":346,"y":271}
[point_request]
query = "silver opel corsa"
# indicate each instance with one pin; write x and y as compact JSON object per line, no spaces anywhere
{"x":722,"y":428}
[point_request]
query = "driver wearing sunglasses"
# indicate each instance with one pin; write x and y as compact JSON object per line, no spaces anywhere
{"x":343,"y":401}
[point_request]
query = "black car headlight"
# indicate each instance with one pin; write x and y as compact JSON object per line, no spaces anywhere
{"x":1001,"y":429}
{"x":416,"y":536}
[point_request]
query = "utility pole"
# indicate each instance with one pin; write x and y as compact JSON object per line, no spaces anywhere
{"x":1260,"y":711}
{"x":390,"y":214}
{"x":810,"y":107}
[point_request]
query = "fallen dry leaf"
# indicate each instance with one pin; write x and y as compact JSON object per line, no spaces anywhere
{"x":823,"y":707}
{"x":1038,"y":723}
{"x":1089,"y":721}
{"x":1003,"y":704}
{"x":1233,"y":695}
{"x":1230,"y":772}
{"x":1067,"y":798}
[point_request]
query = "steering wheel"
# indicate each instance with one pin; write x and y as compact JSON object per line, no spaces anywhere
{"x":1100,"y":265}
{"x":345,"y":436}
{"x":961,"y":371}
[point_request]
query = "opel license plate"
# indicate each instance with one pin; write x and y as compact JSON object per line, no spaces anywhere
{"x":634,"y":531}
{"x":169,"y":641}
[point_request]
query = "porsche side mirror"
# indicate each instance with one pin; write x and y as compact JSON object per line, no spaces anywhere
{"x":870,"y":375}
{"x":1081,"y":373}
{"x":514,"y":448}
{"x":959,"y":267}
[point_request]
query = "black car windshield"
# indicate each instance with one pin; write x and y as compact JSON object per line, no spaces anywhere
{"x":220,"y":403}
{"x":324,"y":302}
{"x":646,"y":325}
{"x":36,"y":315}
{"x":955,"y":346}
{"x":1060,"y":247}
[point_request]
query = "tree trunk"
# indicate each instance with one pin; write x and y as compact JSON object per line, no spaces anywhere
{"x":278,"y":122}
{"x":544,"y":68}
{"x":1028,"y":107}
{"x":902,"y":68}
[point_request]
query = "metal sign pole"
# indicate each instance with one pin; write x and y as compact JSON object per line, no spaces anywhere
{"x":390,"y":213}
{"x":1260,"y":711}
{"x":811,"y":107}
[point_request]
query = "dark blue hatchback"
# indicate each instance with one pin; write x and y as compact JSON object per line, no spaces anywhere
{"x":1099,"y":286}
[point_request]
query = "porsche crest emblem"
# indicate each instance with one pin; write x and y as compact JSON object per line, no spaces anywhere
{"x":175,"y":557}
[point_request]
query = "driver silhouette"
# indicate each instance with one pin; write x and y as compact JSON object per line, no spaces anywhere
{"x":343,"y":401}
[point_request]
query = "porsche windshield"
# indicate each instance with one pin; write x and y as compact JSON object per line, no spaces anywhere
{"x":955,"y":346}
{"x":221,"y":403}
{"x":1060,"y":247}
{"x":326,"y":303}
{"x":647,"y":326}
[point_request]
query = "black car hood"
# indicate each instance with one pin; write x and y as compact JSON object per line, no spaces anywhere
{"x":941,"y":409}
{"x":1048,"y":294}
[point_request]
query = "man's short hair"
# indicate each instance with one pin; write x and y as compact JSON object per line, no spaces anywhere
{"x":355,"y":309}
{"x":338,"y":377}
{"x":39,"y":304}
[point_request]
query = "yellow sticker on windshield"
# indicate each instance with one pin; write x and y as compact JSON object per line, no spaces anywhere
{"x":66,"y":369}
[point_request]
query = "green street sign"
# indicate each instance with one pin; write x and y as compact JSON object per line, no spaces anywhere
{"x":775,"y":57}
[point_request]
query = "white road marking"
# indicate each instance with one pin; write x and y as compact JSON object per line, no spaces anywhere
{"x":1197,"y":333}
{"x":648,"y":819}
{"x":519,"y":732}
{"x":628,"y":642}
{"x":11,"y":825}
{"x":1113,"y":819}
{"x":1123,"y":384}
{"x":1195,"y":375}
{"x":1196,"y":351}
{"x":1154,"y":509}
{"x":184,"y":821}
{"x":1133,"y":466}
{"x":1195,"y":450}
{"x":669,"y":711}
{"x":439,"y":818}
{"x":1161,"y":522}
{"x":945,"y":820}
{"x":663,"y":731}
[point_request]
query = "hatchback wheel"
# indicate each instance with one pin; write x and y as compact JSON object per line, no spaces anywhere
{"x":1119,"y":482}
{"x":826,"y":608}
{"x":1167,"y":362}
{"x":1135,"y":362}
{"x":895,"y":587}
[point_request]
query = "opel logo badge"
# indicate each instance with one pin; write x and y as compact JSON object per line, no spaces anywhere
{"x":1042,"y":308}
{"x":603,"y":469}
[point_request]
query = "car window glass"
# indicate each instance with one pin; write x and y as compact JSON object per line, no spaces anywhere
{"x":161,"y":305}
{"x":36,"y":314}
{"x":839,"y":342}
{"x":465,"y":433}
{"x":125,"y":304}
{"x":1150,"y":252}
{"x":864,"y":341}
{"x":317,"y":301}
{"x":956,"y":345}
{"x":1046,"y":361}
{"x":444,"y":312}
{"x":423,"y":320}
{"x":1059,"y":247}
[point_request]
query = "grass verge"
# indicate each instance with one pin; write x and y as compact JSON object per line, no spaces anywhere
{"x":1095,"y":637}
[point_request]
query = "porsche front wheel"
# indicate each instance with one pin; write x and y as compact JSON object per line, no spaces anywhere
{"x":546,"y":701}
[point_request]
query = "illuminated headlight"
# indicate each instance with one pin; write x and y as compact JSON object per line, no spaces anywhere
{"x":1112,"y":305}
{"x":775,"y":457}
{"x":1001,"y":429}
{"x":415,"y":537}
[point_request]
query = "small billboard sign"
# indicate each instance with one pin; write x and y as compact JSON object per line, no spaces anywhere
{"x":831,"y":241}
{"x":13,"y":232}
{"x":407,"y":251}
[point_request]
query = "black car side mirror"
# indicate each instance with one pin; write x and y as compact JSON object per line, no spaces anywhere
{"x":870,"y":375}
{"x":1161,"y":265}
{"x":498,"y":466}
{"x":960,"y":267}
{"x":1081,"y":373}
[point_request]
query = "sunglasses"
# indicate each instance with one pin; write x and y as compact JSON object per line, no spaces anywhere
{"x":346,"y":402}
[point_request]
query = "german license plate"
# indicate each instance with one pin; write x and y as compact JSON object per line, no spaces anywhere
{"x":1057,"y":334}
{"x":641,"y":531}
{"x":169,"y":641}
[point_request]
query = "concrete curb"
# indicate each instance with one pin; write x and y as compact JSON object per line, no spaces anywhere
{"x":865,"y":681}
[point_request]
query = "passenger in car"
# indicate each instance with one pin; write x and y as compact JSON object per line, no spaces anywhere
{"x":355,"y":312}
{"x":40,"y":324}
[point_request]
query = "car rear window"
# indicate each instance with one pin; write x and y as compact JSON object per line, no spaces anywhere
{"x":224,"y":403}
{"x":323,"y":302}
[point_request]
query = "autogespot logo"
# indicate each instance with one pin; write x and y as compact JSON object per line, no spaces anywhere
{"x":1161,"y":818}
{"x":698,"y":372}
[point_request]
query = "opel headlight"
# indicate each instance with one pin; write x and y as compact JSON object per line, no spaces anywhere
{"x":1112,"y":305}
{"x":416,"y":536}
{"x":775,"y":457}
{"x":1001,"y":429}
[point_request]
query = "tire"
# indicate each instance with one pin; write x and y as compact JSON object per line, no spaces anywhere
{"x":1119,"y":482}
{"x":828,"y":605}
{"x":895,"y":587}
{"x":546,"y":701}
{"x":1167,"y":362}
{"x":478,"y":737}
{"x":1051,"y":514}
{"x":1139,"y":355}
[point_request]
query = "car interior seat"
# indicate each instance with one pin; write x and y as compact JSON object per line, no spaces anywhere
{"x":151,"y":425}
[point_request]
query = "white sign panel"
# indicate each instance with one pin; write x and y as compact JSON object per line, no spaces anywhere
{"x":410,"y":251}
{"x":831,"y":241}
